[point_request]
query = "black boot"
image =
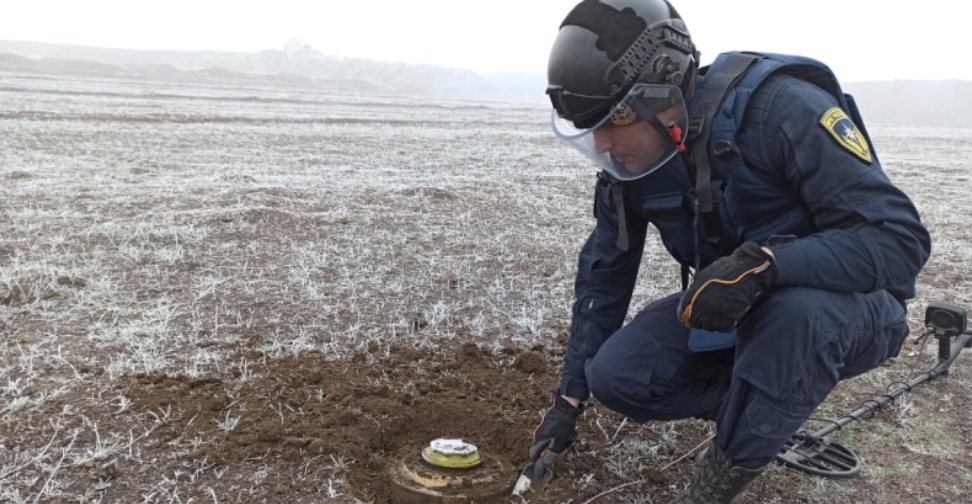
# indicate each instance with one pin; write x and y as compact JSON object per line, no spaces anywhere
{"x":716,"y":481}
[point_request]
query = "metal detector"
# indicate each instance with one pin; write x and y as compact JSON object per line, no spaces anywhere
{"x":818,"y":454}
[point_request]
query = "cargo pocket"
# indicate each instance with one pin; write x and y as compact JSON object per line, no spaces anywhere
{"x":651,"y":382}
{"x":804,"y":374}
{"x":868,"y":346}
{"x":775,"y":420}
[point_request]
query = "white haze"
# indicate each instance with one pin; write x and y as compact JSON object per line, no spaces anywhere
{"x":859,"y":40}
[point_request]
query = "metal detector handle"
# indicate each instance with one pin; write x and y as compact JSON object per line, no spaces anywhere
{"x":949,"y":351}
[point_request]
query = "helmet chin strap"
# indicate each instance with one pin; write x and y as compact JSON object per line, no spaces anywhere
{"x":660,"y":128}
{"x":671,"y":131}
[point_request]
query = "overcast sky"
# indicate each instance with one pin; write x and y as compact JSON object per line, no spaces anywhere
{"x":860,"y":40}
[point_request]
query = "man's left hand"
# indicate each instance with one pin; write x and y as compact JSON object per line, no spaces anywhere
{"x":722,"y":293}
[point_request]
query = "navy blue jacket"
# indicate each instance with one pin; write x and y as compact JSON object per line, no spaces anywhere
{"x":847,"y":228}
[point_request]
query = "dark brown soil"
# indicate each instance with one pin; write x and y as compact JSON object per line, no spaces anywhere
{"x":364,"y":412}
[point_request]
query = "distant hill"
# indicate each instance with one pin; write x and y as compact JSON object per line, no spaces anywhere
{"x":918,"y":103}
{"x":166,"y":73}
{"x":296,"y":65}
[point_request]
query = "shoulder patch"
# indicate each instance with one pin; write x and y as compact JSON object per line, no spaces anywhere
{"x":836,"y":122}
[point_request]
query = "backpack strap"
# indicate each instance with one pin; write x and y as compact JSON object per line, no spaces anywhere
{"x":710,"y":100}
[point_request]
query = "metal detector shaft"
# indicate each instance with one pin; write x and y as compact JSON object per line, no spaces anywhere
{"x":947,"y":352}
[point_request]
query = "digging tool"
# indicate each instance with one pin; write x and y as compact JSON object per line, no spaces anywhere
{"x":818,"y":454}
{"x":536,"y":475}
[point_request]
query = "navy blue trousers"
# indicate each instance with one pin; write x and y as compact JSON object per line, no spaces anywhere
{"x":791,"y":350}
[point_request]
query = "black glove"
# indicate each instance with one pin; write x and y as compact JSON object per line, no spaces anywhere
{"x":724,"y":291}
{"x":557,"y":429}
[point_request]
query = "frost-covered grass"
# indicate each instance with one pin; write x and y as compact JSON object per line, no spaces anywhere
{"x":158,"y":228}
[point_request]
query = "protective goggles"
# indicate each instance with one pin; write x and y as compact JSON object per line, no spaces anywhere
{"x":639,"y":133}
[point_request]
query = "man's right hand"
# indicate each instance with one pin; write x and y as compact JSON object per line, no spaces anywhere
{"x":558,"y":428}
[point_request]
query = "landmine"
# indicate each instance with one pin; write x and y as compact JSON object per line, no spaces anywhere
{"x":451,"y":471}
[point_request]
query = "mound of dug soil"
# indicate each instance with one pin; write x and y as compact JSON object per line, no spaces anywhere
{"x":310,"y":421}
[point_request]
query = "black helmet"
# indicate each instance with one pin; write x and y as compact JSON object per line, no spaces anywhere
{"x":604,"y":47}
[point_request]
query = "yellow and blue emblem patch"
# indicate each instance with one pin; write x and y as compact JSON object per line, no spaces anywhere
{"x":846,"y":133}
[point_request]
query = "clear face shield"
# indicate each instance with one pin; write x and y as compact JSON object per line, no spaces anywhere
{"x":639,"y":134}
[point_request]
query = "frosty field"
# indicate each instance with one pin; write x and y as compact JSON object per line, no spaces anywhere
{"x":217,"y":294}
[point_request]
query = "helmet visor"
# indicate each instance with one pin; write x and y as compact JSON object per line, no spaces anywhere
{"x":638,"y":135}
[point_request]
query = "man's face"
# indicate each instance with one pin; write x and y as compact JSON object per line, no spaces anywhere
{"x":635,"y":145}
{"x":635,"y":137}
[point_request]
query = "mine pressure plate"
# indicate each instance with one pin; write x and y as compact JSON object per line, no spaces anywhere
{"x":452,"y":454}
